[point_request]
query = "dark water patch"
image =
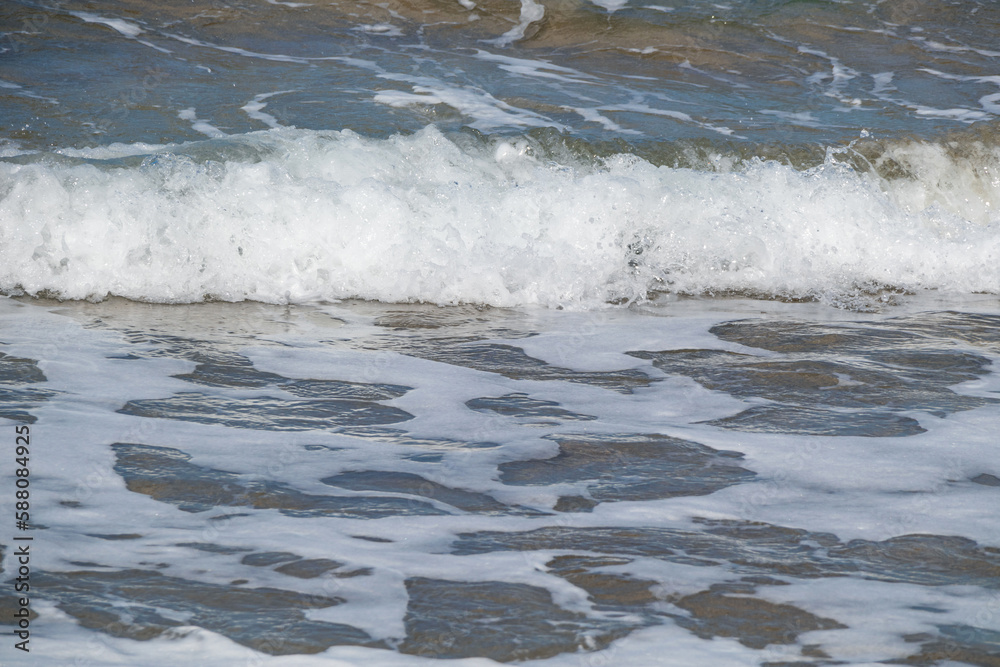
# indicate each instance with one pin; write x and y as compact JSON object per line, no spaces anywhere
{"x":816,"y":421}
{"x":875,"y":369}
{"x":986,"y":479}
{"x":805,"y":338}
{"x":606,"y":591}
{"x":17,"y":400}
{"x":925,"y":341}
{"x":463,"y":338}
{"x":753,"y":622}
{"x":945,"y":368}
{"x":631,"y":467}
{"x":630,"y":603}
{"x":266,"y":412}
{"x":21,"y":416}
{"x":924,"y":559}
{"x":155,"y":344}
{"x":512,"y":362}
{"x":359,"y":572}
{"x":17,"y":411}
{"x":322,"y":448}
{"x":115,"y":537}
{"x":963,"y":644}
{"x":308,"y":568}
{"x":397,"y":436}
{"x":212,"y":548}
{"x":688,"y":547}
{"x":166,"y":474}
{"x":10,"y":605}
{"x":496,"y":620}
{"x":15,"y":404}
{"x":18,"y":370}
{"x":931,"y":609}
{"x":575,"y":504}
{"x":246,"y":376}
{"x":267,"y":558}
{"x":297,"y":566}
{"x":220,"y":365}
{"x":764,"y":581}
{"x":828,"y":380}
{"x":421,"y":317}
{"x":524,"y":407}
{"x":765,"y":549}
{"x":425,"y":458}
{"x":129,"y":603}
{"x":420,"y":325}
{"x":410,"y":484}
{"x":814,"y":651}
{"x":196,"y":332}
{"x":979,"y":330}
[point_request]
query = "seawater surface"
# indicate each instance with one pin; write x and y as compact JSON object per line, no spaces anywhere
{"x":729,"y":482}
{"x":506,"y":331}
{"x":639,"y":70}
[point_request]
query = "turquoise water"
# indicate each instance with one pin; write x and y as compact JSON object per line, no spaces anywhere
{"x":85,"y":74}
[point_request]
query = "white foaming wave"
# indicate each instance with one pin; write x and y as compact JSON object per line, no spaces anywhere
{"x":947,"y":48}
{"x":122,"y":26}
{"x":636,"y":107}
{"x":611,"y":6}
{"x":200,"y":125}
{"x":276,"y":57}
{"x":594,"y":116}
{"x":333,"y":215}
{"x":489,"y":112}
{"x":536,"y":68}
{"x":20,"y":90}
{"x":254,"y":108}
{"x":531,"y":12}
{"x":990,"y":103}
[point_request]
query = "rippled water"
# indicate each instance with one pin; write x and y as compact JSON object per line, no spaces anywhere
{"x":736,"y":482}
{"x":88,"y":73}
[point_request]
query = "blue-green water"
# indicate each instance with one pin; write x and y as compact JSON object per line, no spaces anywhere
{"x":83,"y":74}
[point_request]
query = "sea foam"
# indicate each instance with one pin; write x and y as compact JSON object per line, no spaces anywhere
{"x":302,"y":216}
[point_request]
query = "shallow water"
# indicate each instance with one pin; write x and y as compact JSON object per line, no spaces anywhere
{"x":730,"y":481}
{"x":765,"y":71}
